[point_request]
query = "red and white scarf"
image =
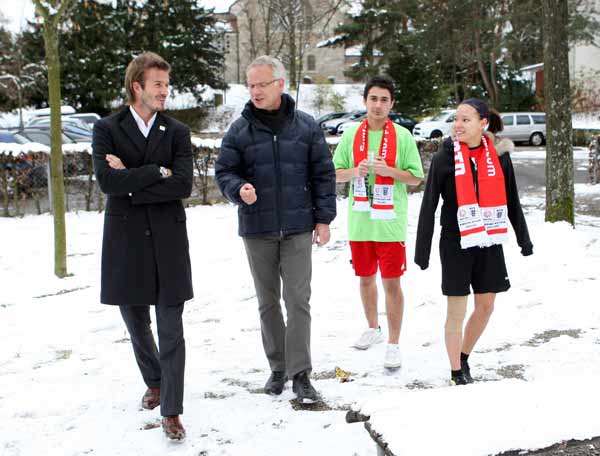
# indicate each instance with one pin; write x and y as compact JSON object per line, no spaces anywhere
{"x":482,"y":223}
{"x":383,"y":192}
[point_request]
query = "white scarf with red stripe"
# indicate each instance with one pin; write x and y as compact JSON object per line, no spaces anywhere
{"x":482,"y":223}
{"x":383,"y":192}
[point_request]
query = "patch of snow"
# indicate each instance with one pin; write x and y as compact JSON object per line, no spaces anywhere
{"x":70,"y":385}
{"x":586,"y":121}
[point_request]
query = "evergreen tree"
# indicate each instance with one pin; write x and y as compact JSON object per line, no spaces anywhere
{"x":418,"y":83}
{"x":184,"y":34}
{"x":95,"y":56}
{"x":372,"y":28}
{"x":101,"y":38}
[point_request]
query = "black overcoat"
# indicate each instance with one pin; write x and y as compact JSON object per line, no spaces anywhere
{"x":145,"y":250}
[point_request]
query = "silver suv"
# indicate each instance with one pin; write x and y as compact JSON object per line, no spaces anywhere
{"x":524,"y":126}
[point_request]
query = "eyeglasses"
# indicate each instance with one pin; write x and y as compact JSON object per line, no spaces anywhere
{"x":261,"y":85}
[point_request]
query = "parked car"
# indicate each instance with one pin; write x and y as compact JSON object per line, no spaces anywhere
{"x":437,"y":127}
{"x":330,"y":116}
{"x":7,"y":137}
{"x":331,"y":126}
{"x":74,"y":128}
{"x":38,"y":135}
{"x":395,"y":117}
{"x":42,"y":116}
{"x":45,"y":112}
{"x":524,"y":126}
{"x":65,"y":121}
{"x":89,"y":118}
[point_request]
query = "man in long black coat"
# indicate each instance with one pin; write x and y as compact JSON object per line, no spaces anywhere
{"x":143,"y":162}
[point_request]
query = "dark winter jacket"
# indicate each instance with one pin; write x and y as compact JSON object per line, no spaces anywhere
{"x":440,"y":181}
{"x":145,"y":253}
{"x":292,"y":173}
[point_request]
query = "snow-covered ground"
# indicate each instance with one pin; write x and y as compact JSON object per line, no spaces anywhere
{"x":69,"y":384}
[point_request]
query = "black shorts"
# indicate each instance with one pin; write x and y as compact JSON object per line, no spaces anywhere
{"x":483,"y":269}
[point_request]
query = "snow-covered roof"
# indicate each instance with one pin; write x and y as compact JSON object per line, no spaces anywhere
{"x":224,"y":27}
{"x":355,"y":51}
{"x":534,"y":67}
{"x":331,"y":41}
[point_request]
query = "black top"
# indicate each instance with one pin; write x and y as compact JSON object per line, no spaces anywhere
{"x":440,"y":181}
{"x":292,"y":172}
{"x":273,"y":120}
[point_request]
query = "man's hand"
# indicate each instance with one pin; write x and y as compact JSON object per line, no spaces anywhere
{"x":114,"y":162}
{"x":321,"y":234}
{"x":248,"y":194}
{"x":381,"y":167}
{"x":363,"y":168}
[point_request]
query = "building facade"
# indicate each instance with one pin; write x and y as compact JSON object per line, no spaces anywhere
{"x":250,"y":28}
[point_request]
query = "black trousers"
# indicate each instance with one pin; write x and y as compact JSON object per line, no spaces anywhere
{"x":163,"y":367}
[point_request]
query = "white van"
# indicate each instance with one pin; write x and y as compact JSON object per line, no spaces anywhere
{"x":524,"y":126}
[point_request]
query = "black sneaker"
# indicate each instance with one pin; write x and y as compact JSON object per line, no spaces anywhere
{"x":458,"y":379}
{"x":305,"y":393}
{"x":274,"y":385}
{"x":464,"y":365}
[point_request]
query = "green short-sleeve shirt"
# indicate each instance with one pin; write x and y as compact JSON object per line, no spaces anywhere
{"x":360,"y":225}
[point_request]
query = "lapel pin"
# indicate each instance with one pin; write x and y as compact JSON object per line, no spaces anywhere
{"x":161,"y":128}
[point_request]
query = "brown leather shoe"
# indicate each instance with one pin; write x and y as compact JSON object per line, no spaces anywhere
{"x":151,"y":398}
{"x":173,"y":428}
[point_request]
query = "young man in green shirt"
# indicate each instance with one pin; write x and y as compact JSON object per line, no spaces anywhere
{"x":380,"y":159}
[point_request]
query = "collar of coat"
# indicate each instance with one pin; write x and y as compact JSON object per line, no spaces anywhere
{"x":290,"y":106}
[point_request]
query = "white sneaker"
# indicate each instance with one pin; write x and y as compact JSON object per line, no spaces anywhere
{"x":393,"y":359}
{"x":370,"y":337}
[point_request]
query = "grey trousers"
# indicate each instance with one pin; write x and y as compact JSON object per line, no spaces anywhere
{"x":163,"y":367}
{"x":275,"y":261}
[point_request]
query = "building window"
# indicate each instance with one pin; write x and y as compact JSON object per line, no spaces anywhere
{"x":311,"y":63}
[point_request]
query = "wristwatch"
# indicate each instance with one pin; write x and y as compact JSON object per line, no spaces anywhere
{"x":164,"y":172}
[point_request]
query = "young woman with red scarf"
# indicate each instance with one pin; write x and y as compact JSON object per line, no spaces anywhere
{"x":479,"y":192}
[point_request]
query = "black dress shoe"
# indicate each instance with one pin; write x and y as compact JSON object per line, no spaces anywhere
{"x":305,"y":393}
{"x":274,"y":385}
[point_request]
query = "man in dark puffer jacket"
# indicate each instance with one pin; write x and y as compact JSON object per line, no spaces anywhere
{"x":276,"y":166}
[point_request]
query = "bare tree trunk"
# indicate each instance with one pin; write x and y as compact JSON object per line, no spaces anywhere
{"x":560,"y":194}
{"x":481,"y":66}
{"x":51,"y":31}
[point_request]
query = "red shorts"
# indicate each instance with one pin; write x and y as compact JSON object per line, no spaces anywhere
{"x":391,"y":257}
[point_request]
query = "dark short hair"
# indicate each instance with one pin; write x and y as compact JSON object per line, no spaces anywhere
{"x":383,"y":83}
{"x":137,"y":68}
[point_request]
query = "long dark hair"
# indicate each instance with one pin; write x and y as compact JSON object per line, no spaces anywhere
{"x":495,"y":123}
